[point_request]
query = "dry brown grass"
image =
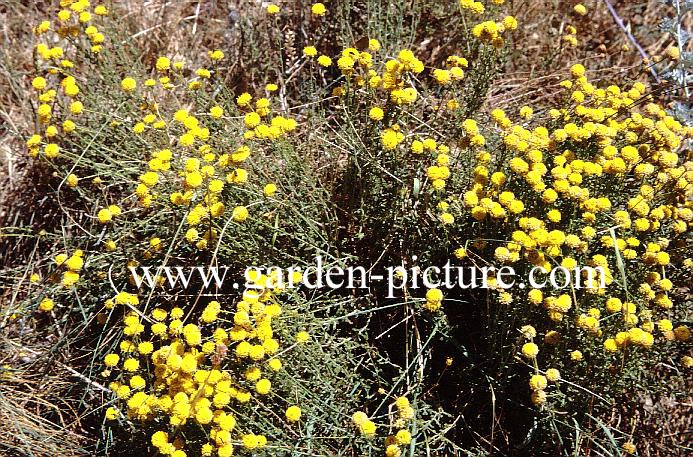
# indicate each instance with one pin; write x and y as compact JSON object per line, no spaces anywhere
{"x":36,"y":419}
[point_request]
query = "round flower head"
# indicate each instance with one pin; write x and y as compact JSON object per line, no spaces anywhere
{"x":293,"y":413}
{"x":318,"y":9}
{"x":530,"y":350}
{"x":128,"y":84}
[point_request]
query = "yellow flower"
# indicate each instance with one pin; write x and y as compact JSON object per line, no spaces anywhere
{"x":244,"y":99}
{"x":252,"y":120}
{"x":263,"y":386}
{"x":673,"y":53}
{"x":434,"y":295}
{"x":275,"y":364}
{"x":393,"y":450}
{"x":324,"y":61}
{"x":577,"y":70}
{"x":163,"y":64}
{"x":628,"y":448}
{"x":76,"y":107}
{"x":269,"y":189}
{"x":128,"y":84}
{"x":293,"y":413}
{"x":537,"y":382}
{"x":509,"y":22}
{"x":368,"y":428}
{"x":403,"y":437}
{"x":345,"y":63}
{"x":442,"y":77}
{"x":610,"y":345}
{"x":74,"y":263}
{"x":112,"y":413}
{"x":104,"y":216}
{"x":43,"y":27}
{"x":687,"y":361}
{"x":580,"y":9}
{"x":302,"y":337}
{"x":400,"y":402}
{"x":528,"y":331}
{"x":526,"y":112}
{"x":145,"y":348}
{"x":272,"y":9}
{"x":447,"y":218}
{"x":390,"y":138}
{"x":239,"y":213}
{"x":216,"y":112}
{"x":318,"y":9}
{"x":51,"y":150}
{"x":46,"y":304}
{"x":554,"y":215}
{"x":530,"y":350}
{"x":376,"y":114}
{"x":137,"y":382}
{"x":310,"y":51}
{"x":131,"y":365}
{"x":538,"y":397}
{"x":216,"y":55}
{"x":535,"y":296}
{"x":663,"y":258}
{"x":39,"y":83}
{"x":474,"y":6}
{"x":69,"y":126}
{"x":553,"y":374}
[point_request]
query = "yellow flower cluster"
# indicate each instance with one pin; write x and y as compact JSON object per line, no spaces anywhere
{"x":365,"y":426}
{"x":626,"y":137}
{"x":492,"y":32}
{"x":105,"y":215}
{"x":473,"y":6}
{"x":394,"y":444}
{"x":67,"y":275}
{"x":455,"y":71}
{"x":538,"y":382}
{"x":393,"y":80}
{"x":194,"y":164}
{"x":55,"y":84}
{"x":72,"y":266}
{"x":201,"y":373}
{"x":570,"y":37}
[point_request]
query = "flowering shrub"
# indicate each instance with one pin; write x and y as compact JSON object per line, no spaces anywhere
{"x":375,"y":153}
